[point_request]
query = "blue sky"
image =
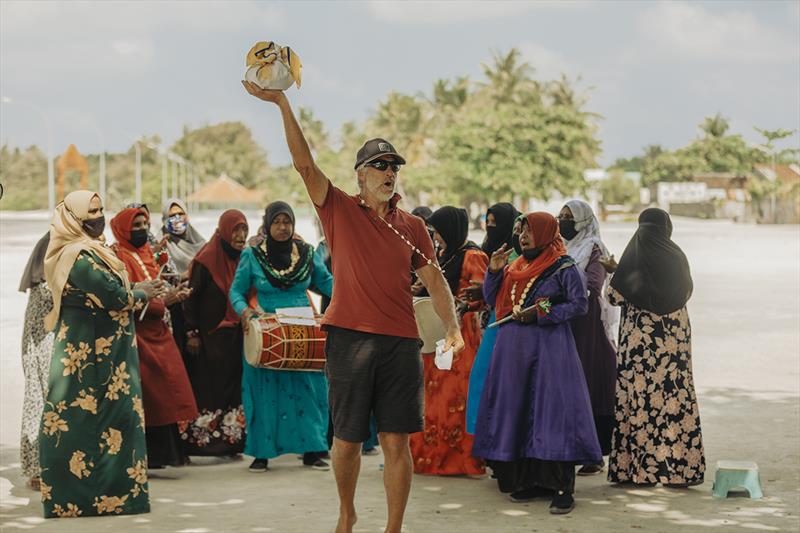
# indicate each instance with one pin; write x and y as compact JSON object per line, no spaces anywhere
{"x":106,"y":72}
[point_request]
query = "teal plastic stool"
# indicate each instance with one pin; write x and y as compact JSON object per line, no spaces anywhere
{"x":737,"y":475}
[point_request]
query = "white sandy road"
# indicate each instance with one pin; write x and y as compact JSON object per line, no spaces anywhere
{"x":745,"y":315}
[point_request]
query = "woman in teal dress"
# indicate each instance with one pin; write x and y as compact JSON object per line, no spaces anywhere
{"x":286,"y":411}
{"x":502,"y":222}
{"x":92,"y":445}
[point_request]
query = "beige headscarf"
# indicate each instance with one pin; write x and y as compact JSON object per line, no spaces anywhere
{"x":67,"y":240}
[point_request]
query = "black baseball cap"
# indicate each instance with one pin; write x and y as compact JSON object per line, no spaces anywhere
{"x":375,"y":148}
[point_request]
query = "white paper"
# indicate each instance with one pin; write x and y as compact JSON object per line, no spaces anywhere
{"x":298,"y":316}
{"x":443,"y":360}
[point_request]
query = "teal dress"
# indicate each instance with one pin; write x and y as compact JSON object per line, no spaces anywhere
{"x":286,"y":411}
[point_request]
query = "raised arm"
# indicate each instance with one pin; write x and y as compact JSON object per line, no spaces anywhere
{"x":316,"y":182}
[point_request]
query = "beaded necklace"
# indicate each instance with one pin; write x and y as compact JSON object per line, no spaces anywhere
{"x":409,"y":243}
{"x":141,"y":264}
{"x":518,"y":305}
{"x":295,"y":257}
{"x":298,"y":270}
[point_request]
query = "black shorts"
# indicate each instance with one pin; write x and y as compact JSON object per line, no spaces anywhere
{"x":373,"y":374}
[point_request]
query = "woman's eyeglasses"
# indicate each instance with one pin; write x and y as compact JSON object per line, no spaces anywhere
{"x":382,"y":165}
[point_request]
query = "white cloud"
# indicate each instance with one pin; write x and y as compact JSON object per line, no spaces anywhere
{"x":690,"y":30}
{"x":451,"y":12}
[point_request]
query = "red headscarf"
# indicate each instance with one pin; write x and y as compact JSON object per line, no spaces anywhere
{"x":121,"y":228}
{"x":220,"y":265}
{"x":546,"y":236}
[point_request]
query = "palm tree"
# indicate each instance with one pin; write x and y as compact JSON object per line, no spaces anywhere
{"x":507,"y":75}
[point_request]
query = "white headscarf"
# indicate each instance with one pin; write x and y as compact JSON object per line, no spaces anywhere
{"x":181,"y":249}
{"x":580,"y":249}
{"x":67,"y":241}
{"x":588,"y":228}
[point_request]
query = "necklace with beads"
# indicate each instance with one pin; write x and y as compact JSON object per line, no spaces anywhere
{"x":295,"y":257}
{"x":518,"y":305}
{"x":141,"y":265}
{"x":409,"y":243}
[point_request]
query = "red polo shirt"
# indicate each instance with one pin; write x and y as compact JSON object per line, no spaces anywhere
{"x":372,"y":264}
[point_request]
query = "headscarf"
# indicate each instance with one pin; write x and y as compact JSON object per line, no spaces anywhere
{"x":588,"y":236}
{"x":653,"y":272}
{"x":580,"y":249}
{"x":218,"y":262}
{"x":121,"y":227}
{"x":182,"y":248}
{"x":423,"y":212}
{"x":505,"y":214}
{"x":34,"y":270}
{"x":171,"y":267}
{"x":452,"y":223}
{"x":545,"y":236}
{"x":278,"y":254}
{"x":67,"y":241}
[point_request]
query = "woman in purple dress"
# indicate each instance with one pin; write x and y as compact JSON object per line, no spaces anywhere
{"x":535,"y":419}
{"x":594,"y":332}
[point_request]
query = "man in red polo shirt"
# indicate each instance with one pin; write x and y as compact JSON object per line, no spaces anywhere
{"x":373,"y":358}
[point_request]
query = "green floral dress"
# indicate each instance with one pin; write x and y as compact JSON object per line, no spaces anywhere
{"x":92,"y":446}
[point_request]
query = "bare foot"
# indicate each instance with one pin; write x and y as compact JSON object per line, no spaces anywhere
{"x":346,"y":523}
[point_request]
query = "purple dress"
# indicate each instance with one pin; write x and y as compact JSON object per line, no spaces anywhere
{"x":597,"y":355}
{"x":535,"y":404}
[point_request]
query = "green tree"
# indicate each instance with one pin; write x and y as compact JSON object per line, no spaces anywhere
{"x":226,"y":147}
{"x":23,"y":174}
{"x":618,"y":189}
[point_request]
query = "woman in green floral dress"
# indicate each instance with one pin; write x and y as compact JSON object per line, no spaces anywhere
{"x":92,"y":445}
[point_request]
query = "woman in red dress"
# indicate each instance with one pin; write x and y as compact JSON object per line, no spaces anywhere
{"x":444,"y":448}
{"x":168,"y":397}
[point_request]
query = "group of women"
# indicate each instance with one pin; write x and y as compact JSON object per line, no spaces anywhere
{"x":549,"y":379}
{"x":133,"y":353}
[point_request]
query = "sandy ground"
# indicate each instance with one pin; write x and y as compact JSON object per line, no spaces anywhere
{"x":745,"y":315}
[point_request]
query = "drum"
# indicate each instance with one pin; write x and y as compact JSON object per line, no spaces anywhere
{"x":270,"y":344}
{"x":430,"y":326}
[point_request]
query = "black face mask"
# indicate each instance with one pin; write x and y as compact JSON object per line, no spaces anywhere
{"x":138,"y":238}
{"x":531,"y":253}
{"x":567,"y":228}
{"x":229,"y":250}
{"x":515,"y":242}
{"x":94,"y":226}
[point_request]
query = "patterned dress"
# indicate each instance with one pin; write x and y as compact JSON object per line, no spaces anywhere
{"x":657,"y":438}
{"x":444,"y":447}
{"x":92,"y":442}
{"x":37,"y":350}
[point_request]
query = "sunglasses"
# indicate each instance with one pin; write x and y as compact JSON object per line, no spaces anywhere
{"x":382,"y":165}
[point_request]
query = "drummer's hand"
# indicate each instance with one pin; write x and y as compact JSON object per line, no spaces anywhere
{"x":525,"y":317}
{"x":417,"y":287}
{"x":247,"y":316}
{"x":473,"y":293}
{"x":499,"y":258}
{"x":454,"y":340}
{"x":264,"y":94}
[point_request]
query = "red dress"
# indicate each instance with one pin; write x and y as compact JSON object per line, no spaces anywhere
{"x":167,"y":392}
{"x":445,"y":448}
